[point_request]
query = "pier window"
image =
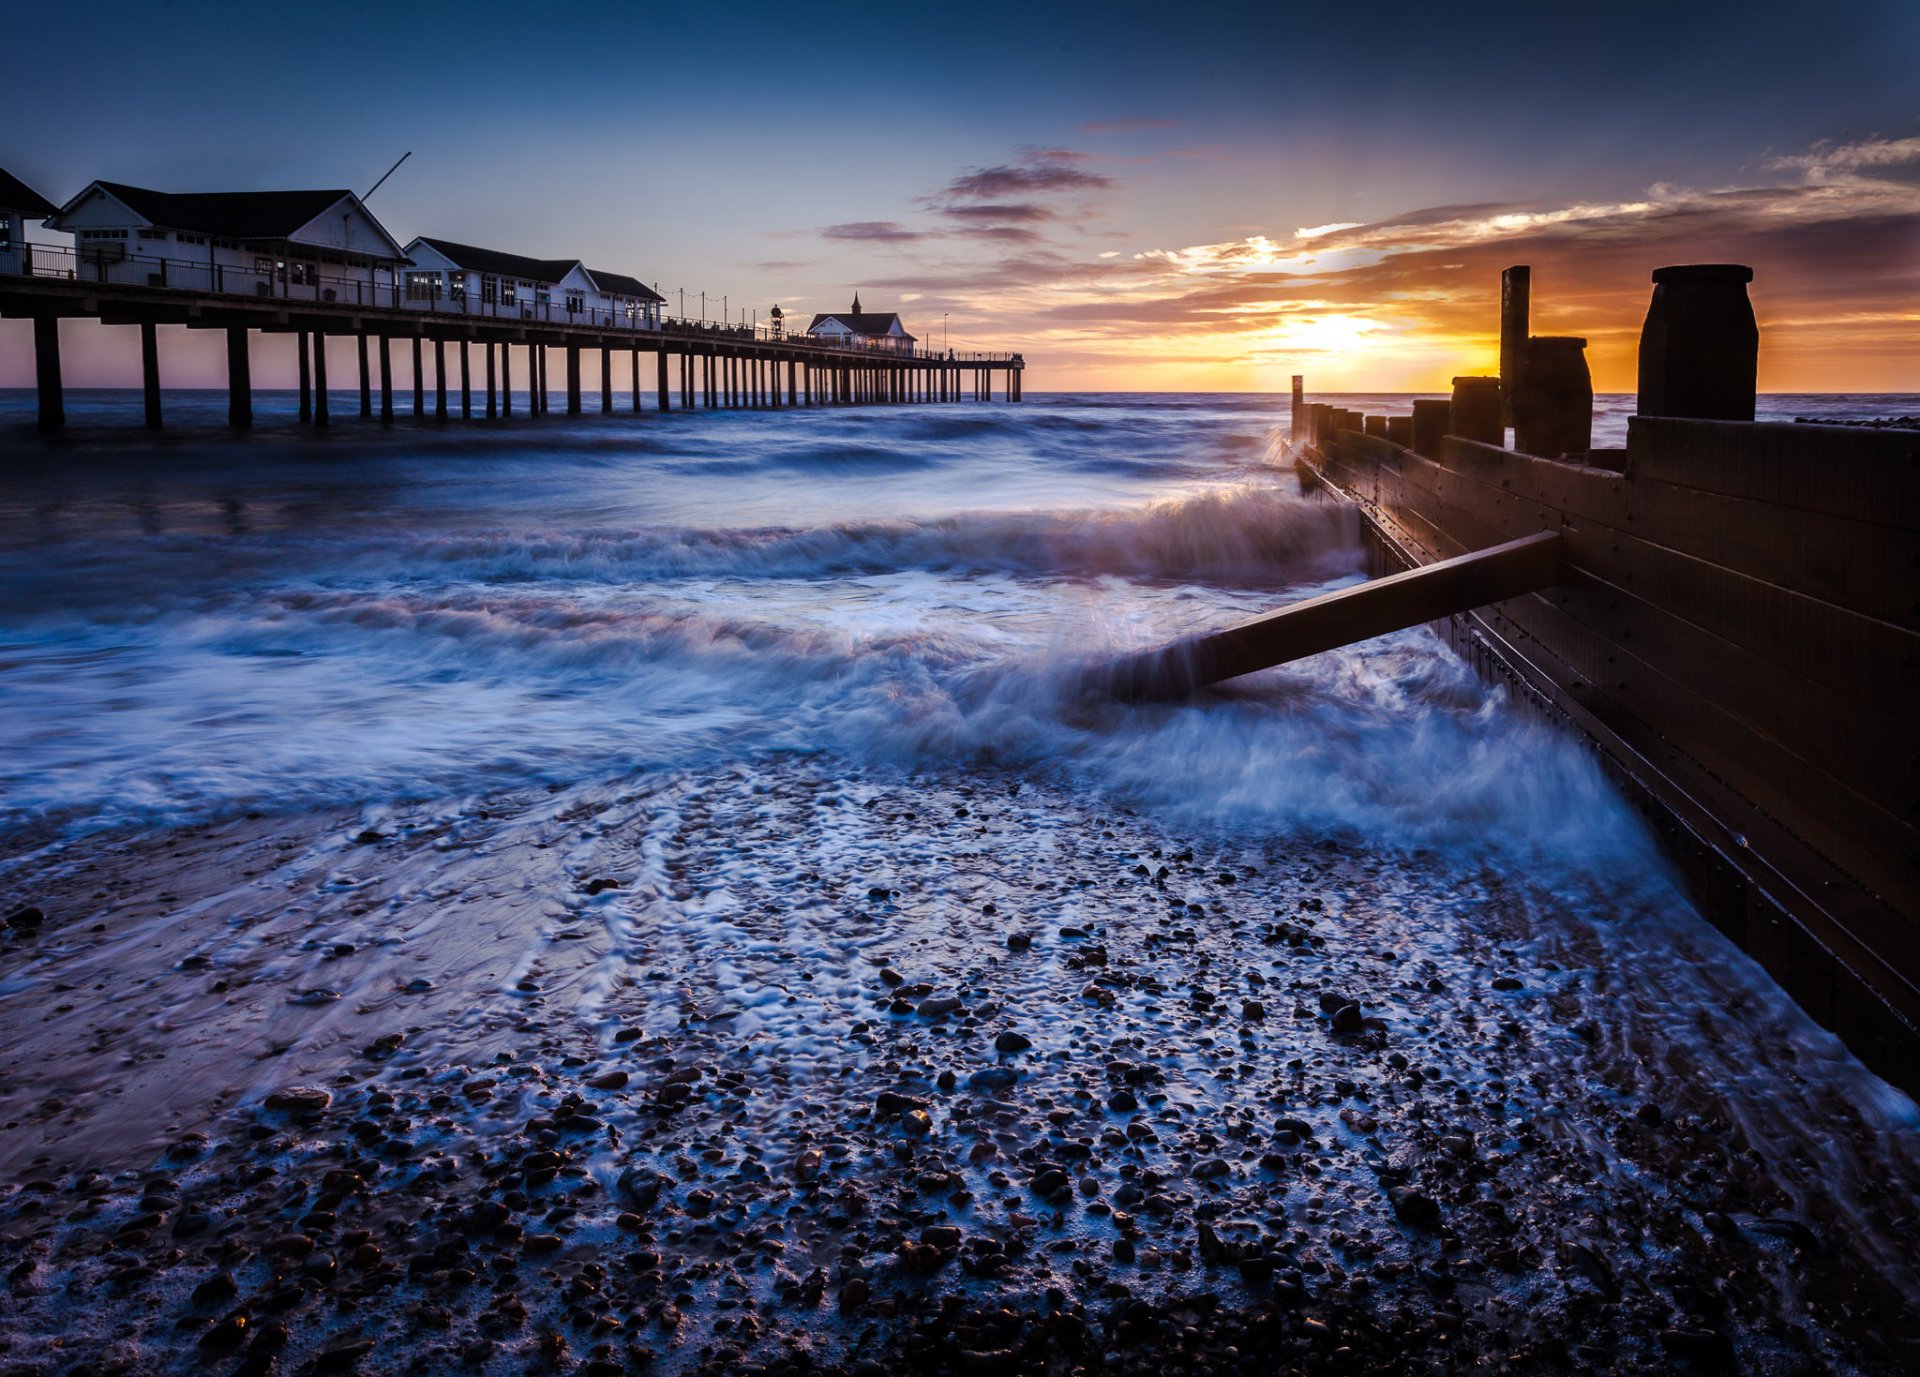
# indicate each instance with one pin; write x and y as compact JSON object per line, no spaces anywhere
{"x":457,"y":286}
{"x":489,"y":290}
{"x":510,"y":291}
{"x":422,"y":286}
{"x":181,"y":238}
{"x":103,"y":234}
{"x":306,"y":274}
{"x":542,"y":299}
{"x":159,"y":234}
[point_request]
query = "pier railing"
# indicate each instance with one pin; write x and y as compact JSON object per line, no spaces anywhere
{"x":109,"y":262}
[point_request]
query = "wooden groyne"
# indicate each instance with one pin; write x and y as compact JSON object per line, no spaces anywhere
{"x":1734,"y":628}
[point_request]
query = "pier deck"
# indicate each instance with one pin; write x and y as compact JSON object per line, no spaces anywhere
{"x":708,"y":364}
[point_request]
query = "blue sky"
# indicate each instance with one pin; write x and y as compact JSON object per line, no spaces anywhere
{"x":793,"y":153}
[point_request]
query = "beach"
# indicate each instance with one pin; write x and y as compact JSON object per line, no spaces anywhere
{"x":652,"y":895}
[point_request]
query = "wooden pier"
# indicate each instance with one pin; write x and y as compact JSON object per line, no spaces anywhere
{"x":1733,"y":626}
{"x":707,"y":366}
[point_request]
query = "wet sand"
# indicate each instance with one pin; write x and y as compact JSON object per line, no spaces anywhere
{"x":807,"y":1069}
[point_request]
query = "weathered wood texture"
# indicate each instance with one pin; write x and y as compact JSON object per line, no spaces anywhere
{"x":1393,"y":603}
{"x":1737,"y":626}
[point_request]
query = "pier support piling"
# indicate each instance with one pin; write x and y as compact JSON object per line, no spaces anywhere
{"x":606,"y":379}
{"x":506,"y":379}
{"x":306,"y":380}
{"x":419,"y":382}
{"x":150,"y":371}
{"x":46,"y":372}
{"x":440,"y":380}
{"x":366,"y":379}
{"x":322,"y":414}
{"x":573,"y":380}
{"x":239,"y":378}
{"x":386,"y":378}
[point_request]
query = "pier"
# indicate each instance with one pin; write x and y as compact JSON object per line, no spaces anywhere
{"x":1728,"y":620}
{"x":692,"y":365}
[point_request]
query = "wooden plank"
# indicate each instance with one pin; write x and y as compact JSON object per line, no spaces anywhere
{"x":1872,"y":476}
{"x":1337,"y":619}
{"x":1873,"y":663}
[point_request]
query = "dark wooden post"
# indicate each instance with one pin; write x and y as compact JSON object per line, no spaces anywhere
{"x":150,"y":372}
{"x":493,"y":396}
{"x":386,"y":378}
{"x":440,"y":379}
{"x":636,"y":377}
{"x":573,"y":380}
{"x":322,"y":411}
{"x":466,"y":380}
{"x":366,"y":380}
{"x":239,"y":378}
{"x":506,"y":378}
{"x":1475,"y":414}
{"x":606,"y":379}
{"x":306,"y":379}
{"x":46,"y":372}
{"x":538,"y":400}
{"x":663,"y":399}
{"x":419,"y":381}
{"x":1516,"y":298}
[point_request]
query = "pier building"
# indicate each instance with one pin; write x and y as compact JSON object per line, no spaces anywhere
{"x":312,"y":245}
{"x":868,"y":329}
{"x":18,"y":204}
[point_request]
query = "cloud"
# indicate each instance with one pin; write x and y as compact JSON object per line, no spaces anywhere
{"x":1001,"y":212}
{"x":1037,"y":172}
{"x":1827,"y":162}
{"x":1127,"y":126}
{"x":872,"y":231}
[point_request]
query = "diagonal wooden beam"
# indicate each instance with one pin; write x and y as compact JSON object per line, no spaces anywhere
{"x":1336,"y":619}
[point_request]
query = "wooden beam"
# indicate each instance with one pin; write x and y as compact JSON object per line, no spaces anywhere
{"x":46,"y":369}
{"x":239,"y":378}
{"x":150,"y":372}
{"x":320,"y":412}
{"x":1341,"y":618}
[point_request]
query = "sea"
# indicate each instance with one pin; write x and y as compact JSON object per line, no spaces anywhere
{"x":519,"y":740}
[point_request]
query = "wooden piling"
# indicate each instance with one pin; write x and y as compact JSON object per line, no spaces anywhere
{"x":493,"y":408}
{"x":366,"y":380}
{"x":419,"y":382}
{"x":573,"y":380}
{"x":239,"y":378}
{"x":663,"y":398}
{"x":506,"y":379}
{"x":306,"y":380}
{"x":150,"y":372}
{"x":46,"y":372}
{"x":322,"y":410}
{"x":606,"y":379}
{"x":386,"y":378}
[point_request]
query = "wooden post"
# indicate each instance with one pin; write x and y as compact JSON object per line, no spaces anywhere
{"x":1516,"y":300}
{"x":506,"y":378}
{"x":573,"y":380}
{"x":150,"y":372}
{"x":322,"y":412}
{"x":46,"y":370}
{"x":419,"y":381}
{"x":662,"y":397}
{"x":306,"y":380}
{"x":366,"y":380}
{"x":606,"y":379}
{"x":636,"y":377}
{"x":239,"y":378}
{"x":539,"y":402}
{"x":440,"y":379}
{"x":466,"y":380}
{"x":493,"y":397}
{"x":386,"y":378}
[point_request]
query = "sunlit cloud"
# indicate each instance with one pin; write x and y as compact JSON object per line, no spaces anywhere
{"x":884,"y":231}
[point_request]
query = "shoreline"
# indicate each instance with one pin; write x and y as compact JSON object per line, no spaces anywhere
{"x":708,"y":1070}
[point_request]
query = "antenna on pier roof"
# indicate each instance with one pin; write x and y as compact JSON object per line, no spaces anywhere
{"x":383,"y":176}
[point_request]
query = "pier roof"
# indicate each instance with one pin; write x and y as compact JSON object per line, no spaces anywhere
{"x":863,"y":322}
{"x":17,"y":195}
{"x":476,"y":259}
{"x":619,"y":284}
{"x":248,"y":216}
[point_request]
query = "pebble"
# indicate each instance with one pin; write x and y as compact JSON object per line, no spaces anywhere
{"x":1011,"y":1042}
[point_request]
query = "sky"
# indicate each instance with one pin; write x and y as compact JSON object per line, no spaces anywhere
{"x":1139,"y":198}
